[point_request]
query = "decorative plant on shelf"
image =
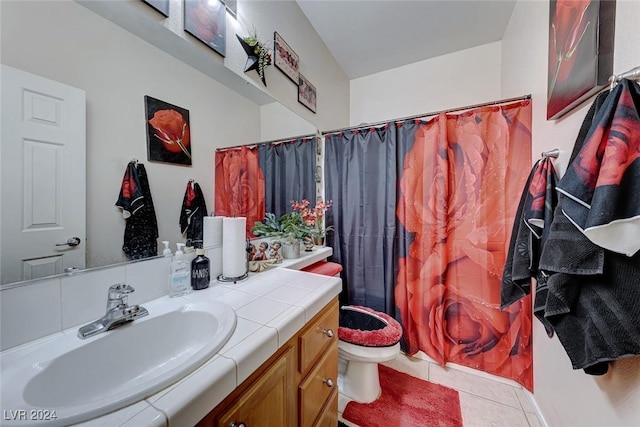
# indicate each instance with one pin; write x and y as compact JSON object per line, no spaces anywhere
{"x":313,"y":217}
{"x":290,"y":228}
{"x":258,"y":54}
{"x":295,"y":228}
{"x":303,"y":224}
{"x":270,"y":227}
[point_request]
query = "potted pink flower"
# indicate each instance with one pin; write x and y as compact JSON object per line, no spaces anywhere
{"x":314,"y":217}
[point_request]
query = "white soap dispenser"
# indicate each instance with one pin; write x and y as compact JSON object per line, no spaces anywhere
{"x":166,"y":251}
{"x":180,"y":278}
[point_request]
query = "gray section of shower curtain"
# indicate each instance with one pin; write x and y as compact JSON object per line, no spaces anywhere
{"x":289,"y":173}
{"x":365,"y":248}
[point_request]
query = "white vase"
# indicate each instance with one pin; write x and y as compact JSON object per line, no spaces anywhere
{"x":291,"y":250}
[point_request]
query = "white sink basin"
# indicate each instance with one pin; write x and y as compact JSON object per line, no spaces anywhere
{"x":83,"y":379}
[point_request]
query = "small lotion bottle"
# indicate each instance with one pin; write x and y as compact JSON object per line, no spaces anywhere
{"x":200,"y":271}
{"x":179,"y":280}
{"x":166,"y":251}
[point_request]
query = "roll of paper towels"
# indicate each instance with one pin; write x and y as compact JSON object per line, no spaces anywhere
{"x":234,"y":255}
{"x":212,"y":231}
{"x":215,"y":255}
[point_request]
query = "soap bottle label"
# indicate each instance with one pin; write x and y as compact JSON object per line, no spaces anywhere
{"x":179,"y":281}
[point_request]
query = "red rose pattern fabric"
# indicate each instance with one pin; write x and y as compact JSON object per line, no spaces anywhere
{"x":458,"y":197}
{"x":601,"y":182}
{"x":239,"y":185}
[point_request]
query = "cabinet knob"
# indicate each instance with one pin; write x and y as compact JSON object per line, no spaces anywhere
{"x":328,"y":332}
{"x":237,"y":424}
{"x":328,"y":382}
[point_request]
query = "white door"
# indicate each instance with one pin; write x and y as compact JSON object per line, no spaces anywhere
{"x":42,"y":154}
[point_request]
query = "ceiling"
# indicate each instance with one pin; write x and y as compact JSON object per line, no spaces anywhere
{"x":370,"y":36}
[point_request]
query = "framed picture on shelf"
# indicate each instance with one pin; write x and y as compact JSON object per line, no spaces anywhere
{"x":306,"y":93}
{"x":206,"y":21}
{"x":581,"y":40}
{"x":284,"y":58}
{"x":161,"y":6}
{"x":232,"y":6}
{"x":168,"y":132}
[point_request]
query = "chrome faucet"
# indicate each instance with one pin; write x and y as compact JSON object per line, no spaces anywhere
{"x":118,"y":312}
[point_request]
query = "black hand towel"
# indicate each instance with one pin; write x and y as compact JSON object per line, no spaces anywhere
{"x":141,"y":228}
{"x":194,"y":209}
{"x":530,"y":231}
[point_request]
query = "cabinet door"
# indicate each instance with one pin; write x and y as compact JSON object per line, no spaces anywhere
{"x":317,"y":387}
{"x":264,"y":404}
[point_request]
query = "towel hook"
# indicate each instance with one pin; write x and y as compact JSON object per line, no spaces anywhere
{"x":551,"y":153}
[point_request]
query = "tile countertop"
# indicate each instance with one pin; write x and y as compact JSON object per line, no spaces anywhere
{"x":271,"y":307}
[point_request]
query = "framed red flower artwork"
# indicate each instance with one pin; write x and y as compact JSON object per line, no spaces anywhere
{"x":206,"y":20}
{"x":168,"y":132}
{"x":581,"y":39}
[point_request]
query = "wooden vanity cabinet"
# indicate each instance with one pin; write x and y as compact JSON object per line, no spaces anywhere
{"x":265,"y":401}
{"x":297,"y":386}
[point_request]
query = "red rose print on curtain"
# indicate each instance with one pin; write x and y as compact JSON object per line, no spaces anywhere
{"x":239,"y":186}
{"x":458,"y":197}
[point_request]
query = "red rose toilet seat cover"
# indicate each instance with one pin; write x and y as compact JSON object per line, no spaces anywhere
{"x":387,"y":336}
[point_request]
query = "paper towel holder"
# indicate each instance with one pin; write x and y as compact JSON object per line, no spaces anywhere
{"x":222,"y":278}
{"x":225,"y":279}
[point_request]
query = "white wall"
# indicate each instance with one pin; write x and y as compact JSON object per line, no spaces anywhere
{"x":470,"y":76}
{"x":275,"y":118}
{"x":566,"y":397}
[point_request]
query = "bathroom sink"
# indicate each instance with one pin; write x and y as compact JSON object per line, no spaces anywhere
{"x":82,"y":379}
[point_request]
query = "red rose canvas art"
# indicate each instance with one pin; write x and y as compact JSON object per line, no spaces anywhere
{"x":168,"y":132}
{"x":580,"y":52}
{"x":206,"y":20}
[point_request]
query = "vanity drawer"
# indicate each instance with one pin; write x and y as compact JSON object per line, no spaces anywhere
{"x":318,"y":386}
{"x":322,"y":333}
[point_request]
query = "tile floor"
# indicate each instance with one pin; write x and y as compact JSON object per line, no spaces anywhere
{"x":484,"y":402}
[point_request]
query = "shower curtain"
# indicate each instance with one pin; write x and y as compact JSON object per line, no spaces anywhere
{"x":360,"y":179}
{"x":289,"y":169}
{"x":252,"y":180}
{"x":422,"y":215}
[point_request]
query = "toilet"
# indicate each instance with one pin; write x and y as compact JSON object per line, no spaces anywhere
{"x":365,"y":338}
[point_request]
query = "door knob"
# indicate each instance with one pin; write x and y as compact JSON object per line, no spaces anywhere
{"x":73,"y":241}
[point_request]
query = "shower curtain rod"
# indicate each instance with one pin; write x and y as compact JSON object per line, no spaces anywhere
{"x":273,"y":141}
{"x":418,"y":116}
